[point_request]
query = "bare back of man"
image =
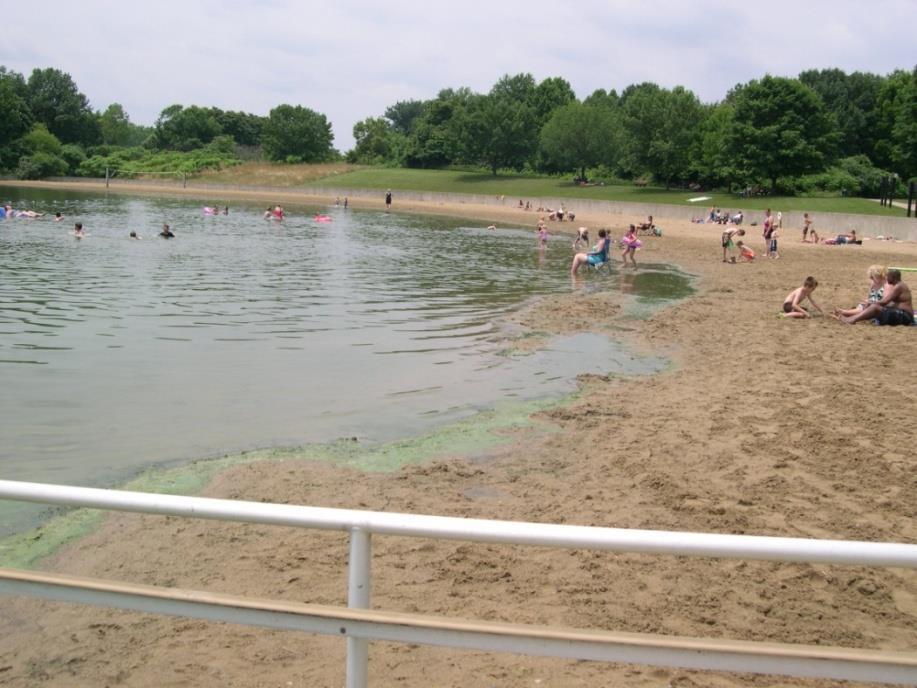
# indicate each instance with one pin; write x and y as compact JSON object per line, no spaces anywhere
{"x":895,"y":308}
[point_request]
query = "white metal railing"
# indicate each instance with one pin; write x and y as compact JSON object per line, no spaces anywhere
{"x":837,"y":663}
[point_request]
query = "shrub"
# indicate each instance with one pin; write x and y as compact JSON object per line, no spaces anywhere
{"x":41,"y":165}
{"x":73,"y":155}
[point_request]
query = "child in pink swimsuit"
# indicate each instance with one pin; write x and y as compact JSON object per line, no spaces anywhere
{"x":631,"y":243}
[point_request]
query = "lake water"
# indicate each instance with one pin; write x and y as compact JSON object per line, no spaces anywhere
{"x":240,"y":333}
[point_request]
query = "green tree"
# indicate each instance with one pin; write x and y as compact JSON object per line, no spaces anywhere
{"x":115,"y":126}
{"x":40,"y":140}
{"x":404,"y":114}
{"x":851,"y":99}
{"x":245,"y":128}
{"x":377,"y":142}
{"x":579,"y":136}
{"x":43,"y":155}
{"x":661,"y":130}
{"x":56,"y":102}
{"x":185,"y":128}
{"x":297,"y":134}
{"x":712,"y":163}
{"x":602,"y":98}
{"x":550,"y":95}
{"x":435,"y":139}
{"x":15,"y":115}
{"x":498,"y":131}
{"x":896,"y":126}
{"x":780,"y":128}
{"x":520,"y":88}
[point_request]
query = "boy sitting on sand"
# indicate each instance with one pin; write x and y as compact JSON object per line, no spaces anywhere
{"x":792,"y":304}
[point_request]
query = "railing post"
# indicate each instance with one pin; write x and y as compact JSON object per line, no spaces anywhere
{"x":358,"y":592}
{"x":106,"y":177}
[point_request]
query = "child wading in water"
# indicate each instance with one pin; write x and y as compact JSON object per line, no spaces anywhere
{"x":542,"y":235}
{"x":792,"y":304}
{"x":631,"y":243}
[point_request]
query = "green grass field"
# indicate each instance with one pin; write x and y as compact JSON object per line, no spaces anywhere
{"x":552,"y":189}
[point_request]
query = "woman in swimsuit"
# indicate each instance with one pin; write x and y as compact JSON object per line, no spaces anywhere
{"x":597,"y":256}
{"x":876,"y":275}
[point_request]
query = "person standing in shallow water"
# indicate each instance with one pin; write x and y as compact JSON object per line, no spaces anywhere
{"x":388,"y":200}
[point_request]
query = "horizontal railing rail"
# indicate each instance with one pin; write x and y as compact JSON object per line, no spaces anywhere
{"x":364,"y":625}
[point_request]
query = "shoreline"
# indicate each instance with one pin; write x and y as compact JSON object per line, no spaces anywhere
{"x":482,"y":207}
{"x":763,"y":426}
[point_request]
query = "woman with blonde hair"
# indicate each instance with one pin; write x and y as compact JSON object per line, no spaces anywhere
{"x":876,"y":275}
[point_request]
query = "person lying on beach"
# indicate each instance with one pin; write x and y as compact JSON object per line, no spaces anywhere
{"x":876,"y":275}
{"x":792,"y":304}
{"x":582,"y":236}
{"x":726,"y":240}
{"x":896,"y":306}
{"x":597,"y":256}
{"x":746,"y":253}
{"x":844,"y":239}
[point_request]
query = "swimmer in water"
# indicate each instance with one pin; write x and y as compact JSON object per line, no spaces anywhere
{"x":78,"y":230}
{"x":166,"y":233}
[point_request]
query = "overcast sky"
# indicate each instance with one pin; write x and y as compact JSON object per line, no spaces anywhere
{"x":350,"y":59}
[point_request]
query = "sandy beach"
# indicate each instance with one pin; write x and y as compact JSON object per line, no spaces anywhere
{"x":761,"y":426}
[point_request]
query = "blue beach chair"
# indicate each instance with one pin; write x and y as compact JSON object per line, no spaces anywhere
{"x":604,"y":262}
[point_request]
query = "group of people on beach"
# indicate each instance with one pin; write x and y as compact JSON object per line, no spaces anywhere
{"x":732,"y":242}
{"x":888,"y":301}
{"x":558,"y":215}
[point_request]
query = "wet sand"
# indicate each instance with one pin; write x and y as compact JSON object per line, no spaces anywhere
{"x":761,"y":426}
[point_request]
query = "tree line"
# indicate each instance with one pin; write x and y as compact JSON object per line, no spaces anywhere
{"x":823,"y":131}
{"x":47,"y":128}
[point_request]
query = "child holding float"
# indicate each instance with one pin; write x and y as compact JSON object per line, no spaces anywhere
{"x":631,"y":243}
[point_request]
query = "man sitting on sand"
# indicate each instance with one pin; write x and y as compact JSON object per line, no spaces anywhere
{"x":895,"y":308}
